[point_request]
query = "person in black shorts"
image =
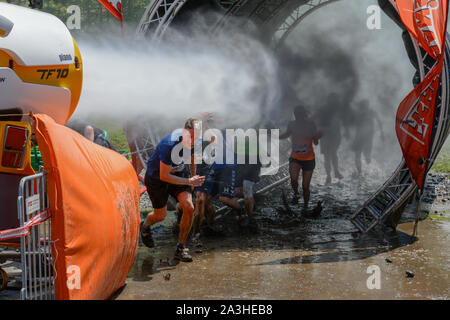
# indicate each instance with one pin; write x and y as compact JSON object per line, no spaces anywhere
{"x":303,"y":133}
{"x":164,"y":178}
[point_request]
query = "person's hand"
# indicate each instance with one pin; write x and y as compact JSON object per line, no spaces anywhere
{"x":196,"y":181}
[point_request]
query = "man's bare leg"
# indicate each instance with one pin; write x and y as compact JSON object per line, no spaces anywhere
{"x":185,"y":199}
{"x":233,"y":203}
{"x":199,"y":213}
{"x":156,"y":216}
{"x":249,"y":205}
{"x":248,"y":197}
{"x":210,"y":213}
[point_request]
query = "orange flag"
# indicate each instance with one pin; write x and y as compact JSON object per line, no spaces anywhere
{"x":426,"y":21}
{"x":414,"y":123}
{"x":114,"y":7}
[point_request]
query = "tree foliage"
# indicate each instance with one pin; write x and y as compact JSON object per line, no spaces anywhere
{"x":94,"y":18}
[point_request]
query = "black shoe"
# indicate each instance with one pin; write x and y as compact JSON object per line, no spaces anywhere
{"x":182,"y":254}
{"x":196,"y":242}
{"x":295,"y":199}
{"x":146,"y":236}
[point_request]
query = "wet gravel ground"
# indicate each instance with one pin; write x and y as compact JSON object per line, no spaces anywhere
{"x":293,"y":256}
{"x":436,"y":198}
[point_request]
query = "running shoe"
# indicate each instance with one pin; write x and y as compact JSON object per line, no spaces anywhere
{"x":146,"y":236}
{"x":196,"y":242}
{"x":182,"y":254}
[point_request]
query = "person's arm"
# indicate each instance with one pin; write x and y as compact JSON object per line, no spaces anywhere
{"x":287,"y":134}
{"x":317,"y":135}
{"x":89,"y":132}
{"x":166,"y":176}
{"x":193,"y":166}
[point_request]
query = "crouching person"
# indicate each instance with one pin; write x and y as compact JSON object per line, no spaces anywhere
{"x":164,"y":178}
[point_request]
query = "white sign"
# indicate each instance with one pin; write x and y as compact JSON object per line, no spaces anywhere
{"x":32,"y":204}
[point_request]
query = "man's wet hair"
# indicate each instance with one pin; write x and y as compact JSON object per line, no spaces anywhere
{"x":191,"y":123}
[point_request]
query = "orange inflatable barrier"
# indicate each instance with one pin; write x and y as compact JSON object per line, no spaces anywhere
{"x":94,"y":201}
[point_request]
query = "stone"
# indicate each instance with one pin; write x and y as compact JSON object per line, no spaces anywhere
{"x":409,"y":274}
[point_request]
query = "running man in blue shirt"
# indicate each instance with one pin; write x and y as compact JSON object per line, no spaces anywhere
{"x":164,"y":178}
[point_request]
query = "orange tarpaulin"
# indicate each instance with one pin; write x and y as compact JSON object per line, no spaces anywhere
{"x":94,"y":201}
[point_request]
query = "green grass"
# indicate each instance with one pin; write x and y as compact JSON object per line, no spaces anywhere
{"x":442,"y":163}
{"x":115,"y":131}
{"x":437,"y":218}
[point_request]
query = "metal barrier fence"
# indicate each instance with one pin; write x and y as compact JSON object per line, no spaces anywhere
{"x":35,"y":246}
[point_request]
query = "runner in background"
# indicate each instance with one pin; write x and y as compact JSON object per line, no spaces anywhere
{"x":303,"y":134}
{"x":364,"y":119}
{"x":91,"y":132}
{"x":329,"y":121}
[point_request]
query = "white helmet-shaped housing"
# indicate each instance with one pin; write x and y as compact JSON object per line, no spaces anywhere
{"x":40,"y":64}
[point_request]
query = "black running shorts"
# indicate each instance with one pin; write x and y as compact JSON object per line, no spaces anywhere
{"x":159,"y":191}
{"x":307,"y":165}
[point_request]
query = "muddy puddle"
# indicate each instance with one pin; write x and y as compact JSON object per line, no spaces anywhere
{"x":293,"y":256}
{"x":297,"y":257}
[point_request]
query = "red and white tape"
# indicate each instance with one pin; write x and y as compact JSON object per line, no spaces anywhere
{"x":25,"y":230}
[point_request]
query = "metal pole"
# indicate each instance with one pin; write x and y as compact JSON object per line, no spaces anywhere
{"x":416,"y":222}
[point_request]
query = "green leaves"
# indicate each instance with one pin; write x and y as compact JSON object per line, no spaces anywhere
{"x":94,"y":18}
